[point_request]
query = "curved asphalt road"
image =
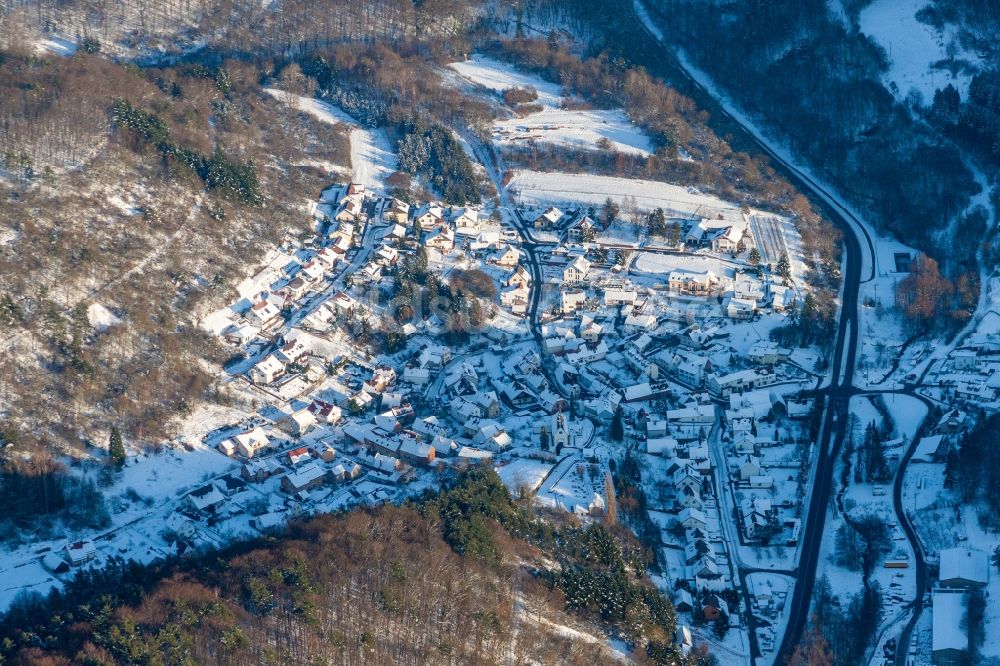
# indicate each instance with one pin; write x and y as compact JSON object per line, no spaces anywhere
{"x":835,"y":418}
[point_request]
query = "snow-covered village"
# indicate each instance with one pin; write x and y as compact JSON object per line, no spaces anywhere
{"x":620,"y":351}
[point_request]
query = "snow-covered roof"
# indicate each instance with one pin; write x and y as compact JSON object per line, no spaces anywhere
{"x":964,"y":564}
{"x":948,"y":630}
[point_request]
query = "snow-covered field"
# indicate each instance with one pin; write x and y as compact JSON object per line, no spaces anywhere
{"x":649,"y":262}
{"x":372,"y":157}
{"x":56,"y":45}
{"x":912,"y":47}
{"x":523,"y":473}
{"x":568,"y":189}
{"x":553,"y":124}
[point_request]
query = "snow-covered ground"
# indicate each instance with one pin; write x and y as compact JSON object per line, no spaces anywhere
{"x":101,"y":318}
{"x":576,"y":128}
{"x":568,"y":189}
{"x":56,"y":45}
{"x":913,"y":48}
{"x":372,"y":156}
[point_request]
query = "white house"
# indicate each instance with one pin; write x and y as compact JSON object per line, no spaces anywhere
{"x":741,"y":381}
{"x":739,"y":308}
{"x":291,"y":352}
{"x":240,"y":334}
{"x":507,"y":257}
{"x":80,"y":552}
{"x":297,"y":423}
{"x":571,"y":299}
{"x":267,"y":370}
{"x":465,"y":218}
{"x":576,"y":271}
{"x":249,"y":444}
{"x":549,"y":218}
{"x":749,"y":466}
{"x":429,"y":216}
{"x":691,"y":284}
{"x":442,"y":239}
{"x":636,"y":323}
{"x":262,"y":314}
{"x":615,"y":297}
{"x":205,"y":499}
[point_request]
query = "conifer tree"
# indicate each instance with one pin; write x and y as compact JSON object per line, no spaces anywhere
{"x":116,"y":447}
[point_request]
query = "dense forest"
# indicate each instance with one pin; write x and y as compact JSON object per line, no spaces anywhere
{"x":461,"y":576}
{"x":796,"y":65}
{"x":973,"y":470}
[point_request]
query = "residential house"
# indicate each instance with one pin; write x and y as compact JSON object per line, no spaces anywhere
{"x":267,"y":370}
{"x":80,"y":552}
{"x":397,"y":211}
{"x":310,"y":475}
{"x":692,"y":519}
{"x":714,"y":607}
{"x":241,"y":333}
{"x":582,"y":230}
{"x":507,"y":257}
{"x":519,"y":277}
{"x":263,"y":314}
{"x":249,"y":444}
{"x":350,"y":209}
{"x":638,"y":323}
{"x":749,"y":467}
{"x":429,"y":216}
{"x":741,"y":381}
{"x":291,"y":352}
{"x":465,"y":218}
{"x":691,"y":284}
{"x":387,"y":255}
{"x":205,"y":499}
{"x":549,"y":218}
{"x":414,"y":452}
{"x":442,"y":239}
{"x":739,"y":308}
{"x":758,"y":518}
{"x":230,"y":485}
{"x":576,"y":271}
{"x":729,"y":239}
{"x":261,"y":470}
{"x":570,"y":300}
{"x":297,"y":423}
{"x":298,"y":456}
{"x":768,"y":353}
{"x":616,"y":297}
{"x":326,"y":412}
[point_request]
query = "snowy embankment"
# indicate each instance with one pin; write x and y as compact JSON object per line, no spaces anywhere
{"x":914,"y":47}
{"x":572,"y":128}
{"x":372,"y":156}
{"x":573,"y":189}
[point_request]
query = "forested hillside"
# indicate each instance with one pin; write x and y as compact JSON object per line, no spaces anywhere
{"x":464,"y":576}
{"x":819,"y":78}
